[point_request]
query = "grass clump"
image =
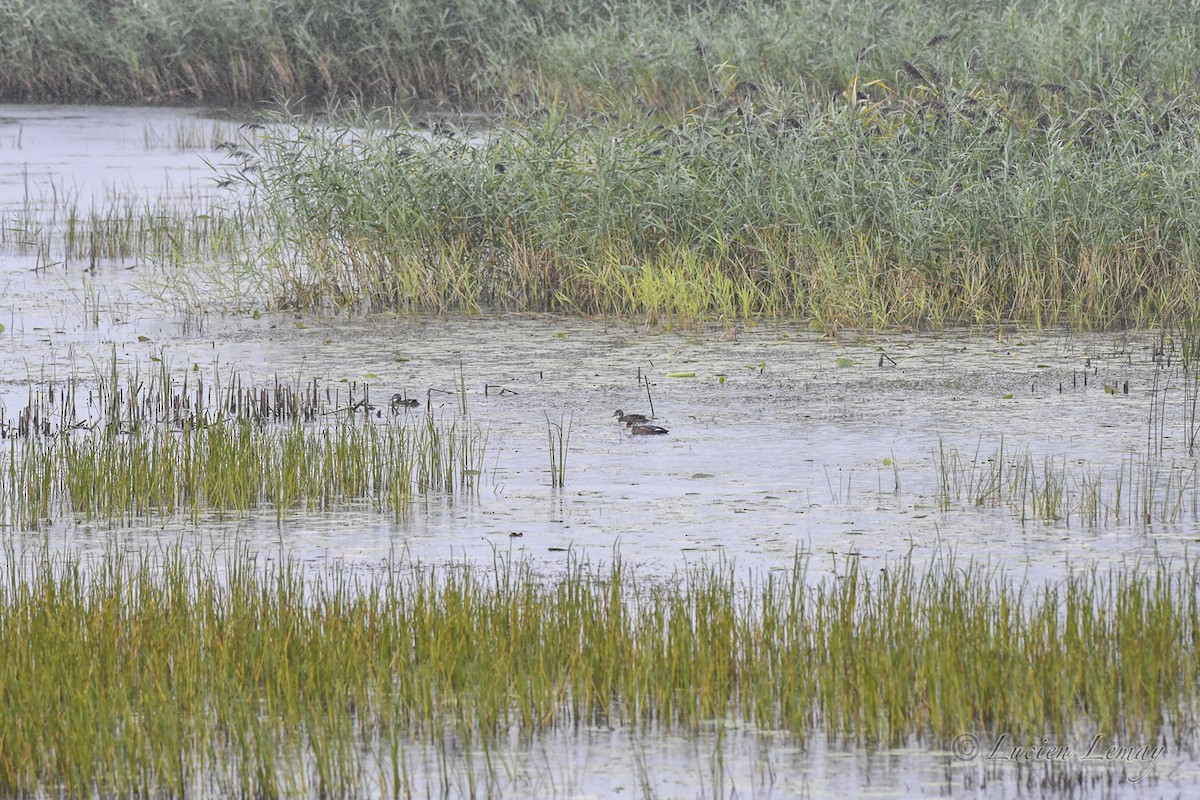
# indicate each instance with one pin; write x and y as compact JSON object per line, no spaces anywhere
{"x":152,"y":673}
{"x":932,"y":209}
{"x":1142,"y":489}
{"x":234,"y":466}
{"x":156,"y":442}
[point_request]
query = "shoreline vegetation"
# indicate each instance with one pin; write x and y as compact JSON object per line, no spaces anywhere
{"x":926,"y":210}
{"x":656,"y":54}
{"x":879,"y":165}
{"x":156,"y":672}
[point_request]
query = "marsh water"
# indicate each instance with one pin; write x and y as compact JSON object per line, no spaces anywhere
{"x":783,"y":441}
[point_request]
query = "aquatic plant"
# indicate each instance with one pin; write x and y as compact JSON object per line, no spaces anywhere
{"x":649,"y":54}
{"x":191,"y":224}
{"x":940,"y":207}
{"x":558,"y":436}
{"x":160,"y":444}
{"x":1140,"y":490}
{"x":157,"y":672}
{"x":235,"y":466}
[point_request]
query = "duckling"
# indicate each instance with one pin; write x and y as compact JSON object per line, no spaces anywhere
{"x":647,"y":430}
{"x":631,"y":419}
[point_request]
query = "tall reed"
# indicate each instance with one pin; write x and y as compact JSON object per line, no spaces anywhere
{"x":652,"y":54}
{"x":940,"y":207}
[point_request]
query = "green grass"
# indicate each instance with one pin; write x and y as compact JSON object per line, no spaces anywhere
{"x":653,"y":53}
{"x":234,"y":467}
{"x":158,"y":443}
{"x":1141,"y":490}
{"x":153,"y":672}
{"x":196,"y":226}
{"x":939,"y":208}
{"x":908,"y":164}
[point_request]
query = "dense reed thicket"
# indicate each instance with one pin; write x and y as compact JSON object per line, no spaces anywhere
{"x":661,"y":53}
{"x":941,"y":206}
{"x":173,"y":671}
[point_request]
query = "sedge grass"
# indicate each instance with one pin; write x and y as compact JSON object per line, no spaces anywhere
{"x":234,"y":466}
{"x":152,"y":673}
{"x":63,"y":228}
{"x":558,"y":436}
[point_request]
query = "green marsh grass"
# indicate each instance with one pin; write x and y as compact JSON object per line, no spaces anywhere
{"x":1140,"y":490}
{"x":193,"y":225}
{"x":942,"y":206}
{"x":157,"y":672}
{"x":558,"y":436}
{"x":647,"y":54}
{"x":235,"y":466}
{"x":156,"y":443}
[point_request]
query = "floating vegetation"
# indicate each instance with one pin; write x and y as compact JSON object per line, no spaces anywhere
{"x":893,"y":214}
{"x":152,"y":673}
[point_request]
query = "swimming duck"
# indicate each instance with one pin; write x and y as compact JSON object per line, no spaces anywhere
{"x":647,"y":430}
{"x":631,"y":419}
{"x":400,"y":401}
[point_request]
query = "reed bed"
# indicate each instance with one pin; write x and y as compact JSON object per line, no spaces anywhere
{"x":162,"y":672}
{"x":927,"y":209}
{"x":649,"y":53}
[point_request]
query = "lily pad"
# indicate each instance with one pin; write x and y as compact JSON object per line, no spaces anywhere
{"x":681,"y":374}
{"x":843,"y":361}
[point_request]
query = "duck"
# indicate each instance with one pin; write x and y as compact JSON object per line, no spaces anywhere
{"x":647,"y":430}
{"x":400,"y":401}
{"x":631,"y":419}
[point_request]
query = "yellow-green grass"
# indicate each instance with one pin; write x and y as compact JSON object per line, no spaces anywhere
{"x":939,"y":208}
{"x":159,"y":672}
{"x":234,"y":466}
